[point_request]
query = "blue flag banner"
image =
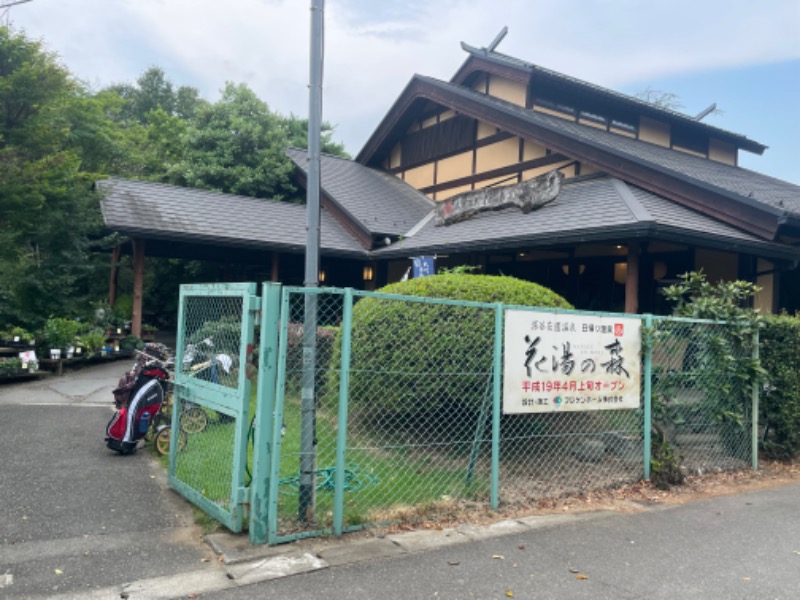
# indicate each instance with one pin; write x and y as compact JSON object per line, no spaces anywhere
{"x":424,"y":266}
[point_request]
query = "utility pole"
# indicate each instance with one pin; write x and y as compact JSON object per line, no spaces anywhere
{"x":5,"y":9}
{"x":308,"y":458}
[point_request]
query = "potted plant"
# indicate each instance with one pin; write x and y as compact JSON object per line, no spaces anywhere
{"x":18,"y":335}
{"x":9,"y":366}
{"x":149,"y":332}
{"x":60,"y":333}
{"x":93,"y":340}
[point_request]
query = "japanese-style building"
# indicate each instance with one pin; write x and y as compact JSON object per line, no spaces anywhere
{"x":647,"y":194}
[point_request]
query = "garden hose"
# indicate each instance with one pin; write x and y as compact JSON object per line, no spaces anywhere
{"x":354,"y":478}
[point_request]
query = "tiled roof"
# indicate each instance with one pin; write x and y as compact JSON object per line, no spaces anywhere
{"x":516,"y":63}
{"x":587,"y":209}
{"x":382,"y":203}
{"x":746,"y":186}
{"x":169,"y":212}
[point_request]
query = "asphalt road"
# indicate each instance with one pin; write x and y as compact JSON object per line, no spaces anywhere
{"x":78,"y":521}
{"x":745,"y":546}
{"x":76,"y":516}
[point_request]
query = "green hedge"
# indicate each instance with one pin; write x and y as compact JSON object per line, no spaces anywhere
{"x":780,"y":402}
{"x":411,"y":358}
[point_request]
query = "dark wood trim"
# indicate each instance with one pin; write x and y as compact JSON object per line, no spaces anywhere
{"x":474,"y":150}
{"x":727,"y":208}
{"x":494,"y":173}
{"x":480,"y":65}
{"x":487,"y":141}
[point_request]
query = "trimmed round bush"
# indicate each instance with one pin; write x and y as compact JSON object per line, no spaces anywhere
{"x":414,"y":358}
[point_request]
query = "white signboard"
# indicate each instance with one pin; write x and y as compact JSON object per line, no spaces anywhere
{"x":567,"y":362}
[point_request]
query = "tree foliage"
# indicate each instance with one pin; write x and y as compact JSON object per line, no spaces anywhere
{"x":236,"y":145}
{"x":57,"y":137}
{"x":47,"y":210}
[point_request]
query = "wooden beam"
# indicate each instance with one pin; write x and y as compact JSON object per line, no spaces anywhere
{"x":632,"y":279}
{"x":476,"y":64}
{"x":494,"y":173}
{"x":138,"y":286}
{"x":113,"y":279}
{"x":276,"y":261}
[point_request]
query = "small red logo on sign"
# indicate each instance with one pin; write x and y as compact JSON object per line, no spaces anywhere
{"x":619,"y":329}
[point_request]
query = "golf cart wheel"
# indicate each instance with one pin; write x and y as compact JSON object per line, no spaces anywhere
{"x":194,"y":420}
{"x":163,"y":438}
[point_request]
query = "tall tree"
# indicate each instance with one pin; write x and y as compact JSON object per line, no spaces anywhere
{"x":297,"y":133}
{"x":236,"y":145}
{"x":46,"y":207}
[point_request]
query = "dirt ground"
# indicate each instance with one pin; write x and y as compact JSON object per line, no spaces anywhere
{"x":696,"y":487}
{"x":627,"y":499}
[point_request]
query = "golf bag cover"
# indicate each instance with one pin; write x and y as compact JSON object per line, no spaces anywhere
{"x":130,"y":423}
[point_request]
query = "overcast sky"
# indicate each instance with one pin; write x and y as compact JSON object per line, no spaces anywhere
{"x":741,"y":54}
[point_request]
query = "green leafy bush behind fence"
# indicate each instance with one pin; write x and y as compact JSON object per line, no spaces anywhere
{"x":780,"y":406}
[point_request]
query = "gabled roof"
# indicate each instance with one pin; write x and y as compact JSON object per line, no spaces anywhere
{"x":481,"y":58}
{"x":178,"y":214}
{"x":742,"y":198}
{"x":588,"y":209}
{"x":370,"y":199}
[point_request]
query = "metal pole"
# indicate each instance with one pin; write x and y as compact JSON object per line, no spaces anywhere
{"x":308,"y":460}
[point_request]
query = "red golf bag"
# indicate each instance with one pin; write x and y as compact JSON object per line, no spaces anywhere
{"x":138,"y":397}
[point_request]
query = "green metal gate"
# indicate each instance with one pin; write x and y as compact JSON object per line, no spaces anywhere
{"x":208,"y":463}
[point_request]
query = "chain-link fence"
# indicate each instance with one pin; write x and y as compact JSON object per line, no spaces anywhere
{"x":382,"y":408}
{"x":211,"y":398}
{"x":701,"y":408}
{"x":420,"y":406}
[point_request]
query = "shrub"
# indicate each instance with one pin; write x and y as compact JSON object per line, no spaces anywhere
{"x":294,"y":347}
{"x":780,"y":402}
{"x":58,"y":332}
{"x":93,"y":340}
{"x":727,"y":371}
{"x":410,"y":359}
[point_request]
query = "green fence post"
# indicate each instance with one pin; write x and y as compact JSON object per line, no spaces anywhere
{"x":344,"y":397}
{"x":277,"y":420}
{"x":648,"y":393}
{"x":497,"y":405}
{"x":755,"y":408}
{"x":238,"y":491}
{"x":177,"y":396}
{"x":265,"y":407}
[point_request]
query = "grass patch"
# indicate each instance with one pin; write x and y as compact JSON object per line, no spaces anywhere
{"x":381,"y":481}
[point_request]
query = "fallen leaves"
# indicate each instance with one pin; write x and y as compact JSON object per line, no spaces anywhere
{"x":578,"y":574}
{"x":509,"y":593}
